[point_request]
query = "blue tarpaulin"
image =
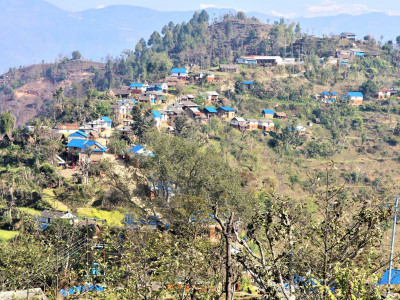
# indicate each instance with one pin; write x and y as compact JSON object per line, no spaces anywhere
{"x":394,"y":280}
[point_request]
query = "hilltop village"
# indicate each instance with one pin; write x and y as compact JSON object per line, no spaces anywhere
{"x":215,"y":160}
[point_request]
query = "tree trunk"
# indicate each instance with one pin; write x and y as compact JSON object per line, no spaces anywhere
{"x":227,"y":231}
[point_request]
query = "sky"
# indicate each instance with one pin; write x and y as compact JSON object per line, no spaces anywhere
{"x":285,"y":8}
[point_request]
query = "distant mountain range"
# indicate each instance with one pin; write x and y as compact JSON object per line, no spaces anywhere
{"x":34,"y":30}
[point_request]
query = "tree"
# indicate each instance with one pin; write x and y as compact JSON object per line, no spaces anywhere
{"x":142,"y":120}
{"x":6,"y":122}
{"x":297,"y":31}
{"x":182,"y":168}
{"x":292,"y":242}
{"x":369,"y":89}
{"x":76,"y":55}
{"x":241,"y":15}
{"x":398,"y":40}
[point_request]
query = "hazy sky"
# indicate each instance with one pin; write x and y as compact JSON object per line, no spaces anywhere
{"x":285,"y":8}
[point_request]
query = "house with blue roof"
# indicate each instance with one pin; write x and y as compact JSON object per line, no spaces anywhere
{"x":151,"y":223}
{"x":328,"y":97}
{"x":226,"y":112}
{"x":248,"y":84}
{"x":158,"y":117}
{"x":210,"y":112}
{"x":78,"y":135}
{"x":100,"y":125}
{"x":140,"y":150}
{"x":108,"y":121}
{"x":138,"y":88}
{"x":79,"y":149}
{"x":355,"y":98}
{"x":161,"y":87}
{"x":180,"y":73}
{"x":268,"y":113}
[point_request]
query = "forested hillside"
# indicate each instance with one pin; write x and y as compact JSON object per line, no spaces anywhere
{"x":274,"y":181}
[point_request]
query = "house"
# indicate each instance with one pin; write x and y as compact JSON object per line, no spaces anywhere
{"x":268,"y":113}
{"x":78,"y":149}
{"x":121,"y":93}
{"x":266,"y":125}
{"x":260,"y":60}
{"x":78,"y":135}
{"x":187,"y":98}
{"x":248,"y":84}
{"x":197,"y":115}
{"x":252,"y":124}
{"x":384,"y":94}
{"x":300,"y":129}
{"x":355,"y":98}
{"x":227,"y":112}
{"x":280,"y":115}
{"x":101,"y":124}
{"x":67,"y":128}
{"x":210,"y":96}
{"x":229,"y":68}
{"x":172,"y":113}
{"x":138,"y":88}
{"x":158,"y":118}
{"x":210,"y":77}
{"x":210,"y":112}
{"x":151,"y":223}
{"x":108,"y":121}
{"x":161,"y":87}
{"x":344,"y":54}
{"x":328,"y":97}
{"x":188,"y":104}
{"x":357,"y":53}
{"x":140,"y":150}
{"x":180,"y":73}
{"x":239,"y":123}
{"x":152,"y":98}
{"x":123,"y":109}
{"x":48,"y":216}
{"x":348,"y":36}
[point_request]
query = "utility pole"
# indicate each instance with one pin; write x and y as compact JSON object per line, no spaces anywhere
{"x":392,"y":244}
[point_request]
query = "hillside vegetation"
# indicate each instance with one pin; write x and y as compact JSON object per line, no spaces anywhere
{"x":303,"y":211}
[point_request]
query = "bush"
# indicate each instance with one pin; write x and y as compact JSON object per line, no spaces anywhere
{"x":47,"y":169}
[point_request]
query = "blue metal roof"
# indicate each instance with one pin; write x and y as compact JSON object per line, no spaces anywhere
{"x":79,"y":133}
{"x":395,"y":277}
{"x":106,"y":119}
{"x":179,"y":70}
{"x":355,"y":94}
{"x":329,"y":94}
{"x":82,"y":144}
{"x":211,"y":110}
{"x":248,"y":82}
{"x":136,"y":148}
{"x":156,"y":114}
{"x":136,"y":85}
{"x":227,"y":108}
{"x":268,"y":112}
